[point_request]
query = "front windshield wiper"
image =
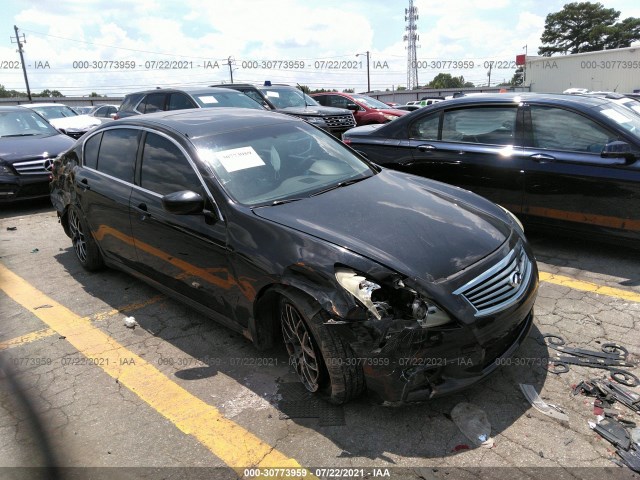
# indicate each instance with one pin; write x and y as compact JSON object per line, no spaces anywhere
{"x":283,"y":201}
{"x":339,"y":185}
{"x":21,"y":135}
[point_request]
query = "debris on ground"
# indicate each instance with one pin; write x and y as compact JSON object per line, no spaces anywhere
{"x":130,"y":322}
{"x":11,"y":229}
{"x":473,"y":422}
{"x":534,"y":399}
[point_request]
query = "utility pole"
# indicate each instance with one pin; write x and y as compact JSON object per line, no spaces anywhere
{"x":368,"y":76}
{"x":230,"y":69}
{"x":489,"y":74}
{"x":24,"y":68}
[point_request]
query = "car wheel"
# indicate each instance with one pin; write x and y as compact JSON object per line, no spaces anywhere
{"x":84,"y":245}
{"x":322,"y":361}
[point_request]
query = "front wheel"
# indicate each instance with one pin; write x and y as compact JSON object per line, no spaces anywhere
{"x":324,"y":363}
{"x":84,"y":245}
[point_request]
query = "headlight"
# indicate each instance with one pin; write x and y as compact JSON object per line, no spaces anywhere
{"x":6,"y":170}
{"x":359,"y":287}
{"x":513,"y":217}
{"x":396,"y":301}
{"x":389,"y":117}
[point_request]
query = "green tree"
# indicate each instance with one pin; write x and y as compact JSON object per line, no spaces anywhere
{"x":587,"y":27}
{"x":4,"y":93}
{"x":348,"y":90}
{"x":445,"y":80}
{"x":95,"y":95}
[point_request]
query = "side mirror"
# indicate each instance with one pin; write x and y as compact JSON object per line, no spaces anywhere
{"x":618,"y":149}
{"x":184,"y":202}
{"x":353,"y":107}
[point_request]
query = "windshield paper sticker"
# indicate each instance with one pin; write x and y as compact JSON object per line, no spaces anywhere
{"x":239,"y":159}
{"x":208,"y":99}
{"x":616,"y":116}
{"x":271,"y":93}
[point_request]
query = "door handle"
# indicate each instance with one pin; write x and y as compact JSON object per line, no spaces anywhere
{"x":83,"y":184}
{"x":426,"y":148}
{"x":143,"y":210}
{"x":543,"y":158}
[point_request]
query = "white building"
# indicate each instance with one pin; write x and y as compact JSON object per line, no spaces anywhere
{"x":609,"y":70}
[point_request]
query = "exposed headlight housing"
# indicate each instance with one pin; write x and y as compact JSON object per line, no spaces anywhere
{"x":359,"y":287}
{"x":396,"y":301}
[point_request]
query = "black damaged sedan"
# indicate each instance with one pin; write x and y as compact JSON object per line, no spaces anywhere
{"x":373,"y":279}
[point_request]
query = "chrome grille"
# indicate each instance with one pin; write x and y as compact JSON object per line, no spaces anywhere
{"x":340,"y":121}
{"x":501,"y":286}
{"x":34,"y":167}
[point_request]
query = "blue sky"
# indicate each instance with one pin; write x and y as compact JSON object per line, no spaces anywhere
{"x":266,"y":40}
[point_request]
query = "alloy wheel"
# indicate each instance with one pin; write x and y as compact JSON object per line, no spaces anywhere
{"x":300,"y":346}
{"x":77,"y":235}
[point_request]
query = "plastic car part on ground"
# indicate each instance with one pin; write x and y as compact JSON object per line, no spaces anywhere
{"x":534,"y":399}
{"x":473,"y":422}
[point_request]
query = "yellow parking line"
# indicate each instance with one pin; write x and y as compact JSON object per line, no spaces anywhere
{"x":589,"y":287}
{"x":47,"y":332}
{"x":233,"y":444}
{"x":27,"y":338}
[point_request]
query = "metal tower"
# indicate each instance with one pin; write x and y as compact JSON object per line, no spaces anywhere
{"x":410,"y":16}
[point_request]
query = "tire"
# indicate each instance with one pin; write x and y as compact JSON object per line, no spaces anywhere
{"x":324,"y":363}
{"x":84,"y":245}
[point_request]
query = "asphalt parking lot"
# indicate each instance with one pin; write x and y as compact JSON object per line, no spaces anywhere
{"x":82,"y":390}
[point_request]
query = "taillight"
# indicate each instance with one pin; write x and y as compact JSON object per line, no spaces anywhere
{"x":346,"y":141}
{"x":116,"y":116}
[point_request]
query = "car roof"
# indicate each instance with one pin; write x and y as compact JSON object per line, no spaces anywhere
{"x":578,"y":102}
{"x":558,"y":98}
{"x":11,"y":108}
{"x":190,"y":90}
{"x":51,"y":104}
{"x":199,"y":122}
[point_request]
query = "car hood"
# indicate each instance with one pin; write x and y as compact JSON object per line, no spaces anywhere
{"x":78,"y":122}
{"x":314,"y":110}
{"x":13,"y":149}
{"x":363,"y":129}
{"x":392,"y":111}
{"x":403,"y":222}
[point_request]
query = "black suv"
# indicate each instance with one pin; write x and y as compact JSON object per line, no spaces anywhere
{"x":162,"y":99}
{"x":292,"y":101}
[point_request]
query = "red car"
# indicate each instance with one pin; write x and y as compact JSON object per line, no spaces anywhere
{"x":366,"y":110}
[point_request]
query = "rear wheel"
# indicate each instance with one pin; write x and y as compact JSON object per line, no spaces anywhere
{"x":84,"y":245}
{"x":323,"y":362}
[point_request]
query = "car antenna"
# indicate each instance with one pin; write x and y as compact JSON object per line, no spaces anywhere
{"x":304,"y":95}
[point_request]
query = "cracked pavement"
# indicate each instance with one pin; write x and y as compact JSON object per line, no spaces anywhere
{"x":93,"y":420}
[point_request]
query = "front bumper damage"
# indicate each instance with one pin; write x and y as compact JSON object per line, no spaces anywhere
{"x":404,"y":362}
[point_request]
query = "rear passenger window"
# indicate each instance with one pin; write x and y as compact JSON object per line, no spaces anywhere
{"x":558,"y":129}
{"x":179,"y":101}
{"x":154,"y":102}
{"x":486,"y":125}
{"x":165,"y":169}
{"x":425,"y":128}
{"x":91,"y":147}
{"x":118,"y":151}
